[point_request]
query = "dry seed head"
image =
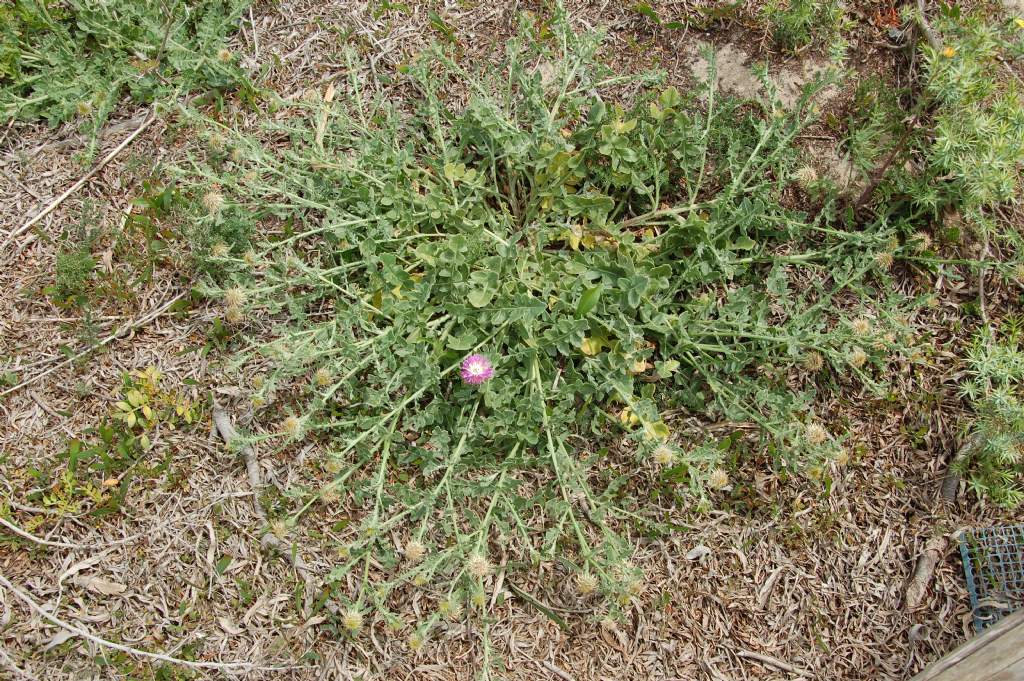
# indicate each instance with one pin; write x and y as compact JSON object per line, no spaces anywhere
{"x":1019,"y":272}
{"x":884,"y":260}
{"x":250,"y":258}
{"x":718,"y":479}
{"x":220,"y":250}
{"x":352,"y":621}
{"x":478,"y":566}
{"x":213,"y":201}
{"x":322,"y":377}
{"x":414,"y":551}
{"x":922,"y":241}
{"x":635,"y":586}
{"x":416,"y":642}
{"x":861,"y":326}
{"x":813,"y":361}
{"x":234,"y":297}
{"x":664,"y":455}
{"x":234,"y":315}
{"x":330,"y":495}
{"x":224,"y":55}
{"x":842,"y":457}
{"x":279,"y":528}
{"x":586,"y":583}
{"x":806,"y":176}
{"x":237,"y":155}
{"x":857,"y":357}
{"x":815,"y":433}
{"x":216,"y":142}
{"x":608,"y":624}
{"x":292,"y":426}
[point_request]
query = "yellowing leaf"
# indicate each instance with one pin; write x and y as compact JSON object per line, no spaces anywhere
{"x":135,"y":398}
{"x":590,"y":347}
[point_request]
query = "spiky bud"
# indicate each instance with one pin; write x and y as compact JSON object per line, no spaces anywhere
{"x":718,"y":479}
{"x":414,"y":551}
{"x":352,"y":620}
{"x":815,"y":433}
{"x":478,"y":566}
{"x":587,"y":583}
{"x":664,"y":455}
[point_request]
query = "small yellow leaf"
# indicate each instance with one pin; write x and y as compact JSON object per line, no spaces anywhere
{"x":147,"y":412}
{"x":144,"y":441}
{"x":135,"y":398}
{"x":124,"y":406}
{"x":590,"y":347}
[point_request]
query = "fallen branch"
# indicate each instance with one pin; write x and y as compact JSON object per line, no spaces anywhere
{"x":130,"y":326}
{"x":917,"y":585}
{"x":81,"y":181}
{"x":78,"y":631}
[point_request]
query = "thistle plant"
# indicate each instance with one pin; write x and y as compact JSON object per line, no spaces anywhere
{"x":486,"y":307}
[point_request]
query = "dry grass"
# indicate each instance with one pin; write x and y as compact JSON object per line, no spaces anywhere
{"x":790,"y":583}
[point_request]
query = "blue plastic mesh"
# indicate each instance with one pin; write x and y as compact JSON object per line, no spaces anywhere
{"x":994,"y":565}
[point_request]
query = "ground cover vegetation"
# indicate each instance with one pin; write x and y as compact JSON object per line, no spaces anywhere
{"x":509,"y":317}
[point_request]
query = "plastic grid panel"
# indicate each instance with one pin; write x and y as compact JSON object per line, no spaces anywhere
{"x":994,"y":566}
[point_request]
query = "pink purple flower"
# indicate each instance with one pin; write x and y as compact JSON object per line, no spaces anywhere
{"x":477,"y":369}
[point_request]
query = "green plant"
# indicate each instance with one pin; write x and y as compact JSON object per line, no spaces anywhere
{"x":615,"y":264}
{"x":59,"y":60}
{"x":992,"y":461}
{"x":796,"y":23}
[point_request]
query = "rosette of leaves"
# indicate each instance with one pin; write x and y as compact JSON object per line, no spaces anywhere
{"x":616,"y":262}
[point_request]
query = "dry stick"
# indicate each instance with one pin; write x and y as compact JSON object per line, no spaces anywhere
{"x":78,"y":631}
{"x":773,"y":662}
{"x":130,"y":326}
{"x":77,"y":185}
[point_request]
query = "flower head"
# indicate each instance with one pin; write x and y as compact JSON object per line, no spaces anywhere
{"x":861,"y":326}
{"x":477,"y":369}
{"x":322,"y":377}
{"x":857,"y":358}
{"x":224,"y":55}
{"x":806,"y":176}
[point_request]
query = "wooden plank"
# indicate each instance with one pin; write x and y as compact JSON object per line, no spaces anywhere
{"x":996,"y":655}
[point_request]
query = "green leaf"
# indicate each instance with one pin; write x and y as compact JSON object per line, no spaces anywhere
{"x":588,"y":301}
{"x":480,"y":297}
{"x":743,"y":243}
{"x":222,"y":565}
